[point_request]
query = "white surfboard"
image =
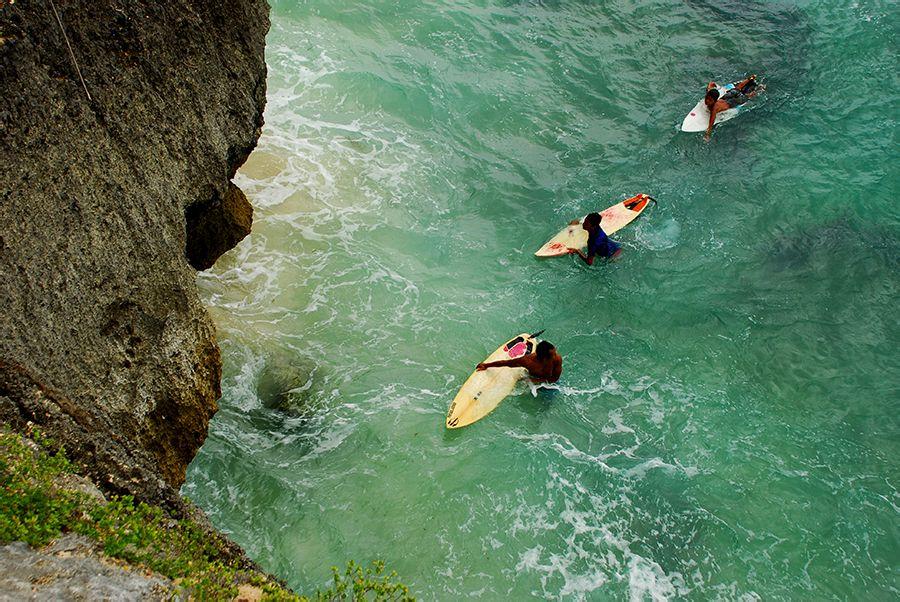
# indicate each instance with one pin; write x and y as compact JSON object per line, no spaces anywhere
{"x":484,"y":390}
{"x":614,"y":219}
{"x":698,"y":119}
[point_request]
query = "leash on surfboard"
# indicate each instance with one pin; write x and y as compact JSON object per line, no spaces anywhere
{"x":538,"y":333}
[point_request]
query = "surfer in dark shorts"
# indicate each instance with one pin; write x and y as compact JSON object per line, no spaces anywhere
{"x":599,"y":244}
{"x":741,"y":93}
{"x":544,"y":365}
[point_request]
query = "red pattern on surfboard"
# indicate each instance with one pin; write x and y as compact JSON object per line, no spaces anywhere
{"x":517,"y":350}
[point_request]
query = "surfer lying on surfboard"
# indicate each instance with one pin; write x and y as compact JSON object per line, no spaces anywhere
{"x":742,"y":92}
{"x":544,"y":365}
{"x":598,"y":242}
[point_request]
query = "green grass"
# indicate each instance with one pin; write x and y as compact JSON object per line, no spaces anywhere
{"x":34,"y":508}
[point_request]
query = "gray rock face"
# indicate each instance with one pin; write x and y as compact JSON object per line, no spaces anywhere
{"x":103,"y":339}
{"x":71,"y":569}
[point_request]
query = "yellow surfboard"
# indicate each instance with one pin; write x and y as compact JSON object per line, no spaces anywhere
{"x":483,"y":391}
{"x":614,"y":219}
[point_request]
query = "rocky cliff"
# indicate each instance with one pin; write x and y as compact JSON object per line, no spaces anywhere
{"x":121,"y":126}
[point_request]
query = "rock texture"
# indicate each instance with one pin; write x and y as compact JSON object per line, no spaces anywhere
{"x":103,"y":339}
{"x":73,"y":569}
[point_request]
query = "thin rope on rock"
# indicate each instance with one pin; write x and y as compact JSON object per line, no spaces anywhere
{"x":71,"y":53}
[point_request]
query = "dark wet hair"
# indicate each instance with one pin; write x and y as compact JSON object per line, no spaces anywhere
{"x":593,"y":218}
{"x":543,"y":349}
{"x":712,"y":95}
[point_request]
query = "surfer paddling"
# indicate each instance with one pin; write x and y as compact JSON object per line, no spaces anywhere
{"x":599,"y":244}
{"x":742,"y":92}
{"x":544,"y":365}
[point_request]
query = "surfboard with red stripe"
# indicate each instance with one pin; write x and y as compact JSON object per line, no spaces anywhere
{"x":614,"y":219}
{"x":484,"y":390}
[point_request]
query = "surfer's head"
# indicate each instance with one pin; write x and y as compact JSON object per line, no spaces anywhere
{"x":711,"y":97}
{"x":543,"y":350}
{"x":592,"y":221}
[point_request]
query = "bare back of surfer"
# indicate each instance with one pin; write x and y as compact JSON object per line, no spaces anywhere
{"x":742,"y":92}
{"x":544,"y":365}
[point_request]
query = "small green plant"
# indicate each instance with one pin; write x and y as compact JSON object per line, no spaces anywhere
{"x":362,"y":584}
{"x":30,"y":509}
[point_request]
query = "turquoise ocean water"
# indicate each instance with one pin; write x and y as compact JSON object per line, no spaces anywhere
{"x":728,"y":421}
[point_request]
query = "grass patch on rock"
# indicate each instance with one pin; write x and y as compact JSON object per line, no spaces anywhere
{"x":38,"y":503}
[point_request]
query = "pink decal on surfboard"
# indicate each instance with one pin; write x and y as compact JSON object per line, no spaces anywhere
{"x":517,"y":350}
{"x":557,"y":245}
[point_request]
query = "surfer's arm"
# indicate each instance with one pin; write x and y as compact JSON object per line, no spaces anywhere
{"x":588,"y":259}
{"x":712,"y":121}
{"x":513,"y":363}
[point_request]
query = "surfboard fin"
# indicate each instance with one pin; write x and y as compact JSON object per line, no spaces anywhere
{"x":538,"y":333}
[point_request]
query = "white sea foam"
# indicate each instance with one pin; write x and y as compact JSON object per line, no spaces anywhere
{"x":641,"y":470}
{"x":331,"y":440}
{"x":646,"y":579}
{"x":615,"y":417}
{"x":242,"y":387}
{"x":535,"y":387}
{"x":658,"y":236}
{"x":593,"y":555}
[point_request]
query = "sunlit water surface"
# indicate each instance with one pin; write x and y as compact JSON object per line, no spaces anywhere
{"x":727,"y":423}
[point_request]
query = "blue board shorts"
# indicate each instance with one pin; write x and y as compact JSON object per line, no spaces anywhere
{"x":734,"y":98}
